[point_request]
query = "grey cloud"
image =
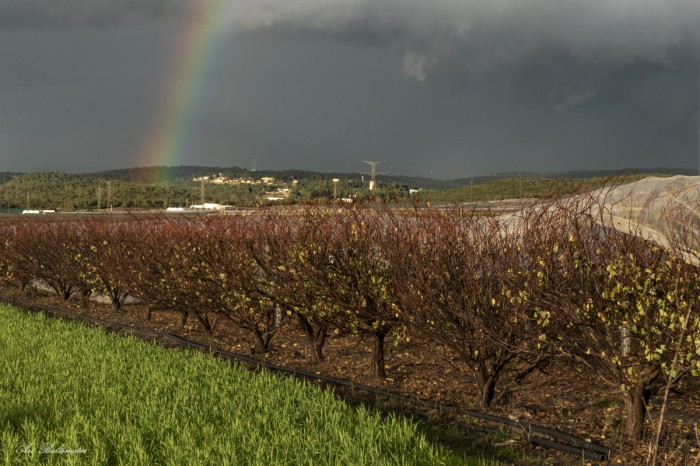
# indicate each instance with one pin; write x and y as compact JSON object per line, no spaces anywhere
{"x":491,"y":34}
{"x":415,"y":65}
{"x":572,"y":100}
{"x":21,"y":14}
{"x":445,"y":88}
{"x":488,"y":34}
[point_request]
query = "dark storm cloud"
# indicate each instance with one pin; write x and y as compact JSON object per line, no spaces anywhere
{"x":15,"y":14}
{"x":492,"y":33}
{"x":556,"y":56}
{"x":487,"y":34}
{"x":443,"y":88}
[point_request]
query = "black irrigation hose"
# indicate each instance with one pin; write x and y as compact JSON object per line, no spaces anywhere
{"x":565,"y":442}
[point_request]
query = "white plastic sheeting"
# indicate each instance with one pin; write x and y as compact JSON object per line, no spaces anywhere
{"x":664,"y":210}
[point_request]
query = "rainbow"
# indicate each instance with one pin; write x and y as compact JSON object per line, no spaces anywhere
{"x":192,"y":57}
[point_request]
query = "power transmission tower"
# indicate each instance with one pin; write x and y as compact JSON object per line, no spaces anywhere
{"x":373,"y":173}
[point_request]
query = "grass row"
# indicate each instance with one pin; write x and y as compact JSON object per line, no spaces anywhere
{"x":75,"y":395}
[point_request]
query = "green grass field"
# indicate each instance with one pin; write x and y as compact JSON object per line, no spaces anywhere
{"x":75,"y":395}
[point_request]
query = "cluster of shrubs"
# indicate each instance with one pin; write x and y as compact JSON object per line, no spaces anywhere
{"x":500,"y":297}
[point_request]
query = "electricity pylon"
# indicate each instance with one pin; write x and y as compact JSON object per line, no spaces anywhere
{"x":373,"y":173}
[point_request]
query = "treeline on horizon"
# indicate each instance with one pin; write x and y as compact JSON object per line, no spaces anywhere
{"x":554,"y":291}
{"x":161,"y":187}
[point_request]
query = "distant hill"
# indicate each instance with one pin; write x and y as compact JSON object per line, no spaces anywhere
{"x":6,"y":176}
{"x":158,"y":187}
{"x":187,"y":173}
{"x":531,"y":185}
{"x":577,"y":174}
{"x":164,"y":174}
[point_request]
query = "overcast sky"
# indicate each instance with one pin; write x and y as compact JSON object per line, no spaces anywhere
{"x":441,"y":88}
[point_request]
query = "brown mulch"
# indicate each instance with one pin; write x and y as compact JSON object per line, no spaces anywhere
{"x":568,"y":400}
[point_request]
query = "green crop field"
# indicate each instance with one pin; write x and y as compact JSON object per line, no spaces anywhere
{"x":75,"y":395}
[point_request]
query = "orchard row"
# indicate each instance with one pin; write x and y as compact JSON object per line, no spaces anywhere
{"x":500,"y":297}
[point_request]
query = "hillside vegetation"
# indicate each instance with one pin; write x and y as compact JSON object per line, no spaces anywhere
{"x":161,"y":187}
{"x":530,"y":187}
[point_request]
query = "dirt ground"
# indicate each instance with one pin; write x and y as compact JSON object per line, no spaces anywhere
{"x":560,"y":399}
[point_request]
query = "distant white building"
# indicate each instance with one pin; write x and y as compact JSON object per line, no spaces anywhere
{"x":211,"y":206}
{"x":222,"y":179}
{"x":37,"y":212}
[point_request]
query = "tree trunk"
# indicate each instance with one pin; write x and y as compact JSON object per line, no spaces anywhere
{"x":262,"y":341}
{"x":85,"y":298}
{"x":117,"y":299}
{"x":147,"y":312}
{"x":66,"y":292}
{"x":319,"y":341}
{"x":378,"y":355}
{"x":30,"y":290}
{"x":206,"y":325}
{"x":315,"y":339}
{"x":635,"y":410}
{"x":487,"y":392}
{"x":636,"y":401}
{"x":487,"y":386}
{"x":183,"y":319}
